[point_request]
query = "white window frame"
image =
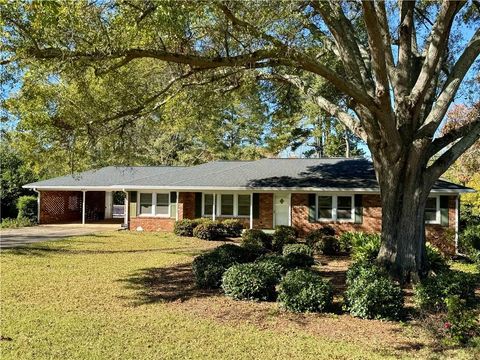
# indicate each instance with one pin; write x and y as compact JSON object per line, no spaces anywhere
{"x":438,"y":213}
{"x":335,"y":208}
{"x":154,"y":205}
{"x":218,"y":205}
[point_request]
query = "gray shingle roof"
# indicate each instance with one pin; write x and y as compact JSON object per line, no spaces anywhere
{"x":327,"y":173}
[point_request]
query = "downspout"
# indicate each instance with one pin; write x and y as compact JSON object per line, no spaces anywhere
{"x":457,"y":222}
{"x":38,"y":205}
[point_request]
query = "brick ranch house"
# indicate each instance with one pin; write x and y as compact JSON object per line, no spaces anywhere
{"x":304,"y":193}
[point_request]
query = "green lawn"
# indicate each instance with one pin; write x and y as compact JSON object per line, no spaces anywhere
{"x":126,"y":296}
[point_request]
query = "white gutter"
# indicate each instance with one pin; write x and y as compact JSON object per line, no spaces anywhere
{"x":236,"y":188}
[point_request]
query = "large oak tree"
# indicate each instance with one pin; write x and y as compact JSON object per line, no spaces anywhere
{"x":398,"y":65}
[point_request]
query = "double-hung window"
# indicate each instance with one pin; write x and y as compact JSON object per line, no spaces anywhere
{"x":335,"y":207}
{"x":432,"y":210}
{"x":226,"y":205}
{"x":154,"y":204}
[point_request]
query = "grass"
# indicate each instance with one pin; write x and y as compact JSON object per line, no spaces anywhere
{"x":105,"y":297}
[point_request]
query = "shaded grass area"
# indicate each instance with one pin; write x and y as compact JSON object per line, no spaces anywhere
{"x":132,"y":296}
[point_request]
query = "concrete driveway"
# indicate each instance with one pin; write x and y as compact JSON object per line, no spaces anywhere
{"x":27,"y":235}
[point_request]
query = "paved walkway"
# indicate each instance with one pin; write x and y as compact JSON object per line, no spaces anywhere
{"x":27,"y":235}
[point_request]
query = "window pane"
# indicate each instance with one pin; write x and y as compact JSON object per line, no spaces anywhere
{"x":227,"y":205}
{"x":430,"y":215}
{"x":344,"y":213}
{"x":431,"y":203}
{"x":208,"y":204}
{"x":146,"y":203}
{"x":162,"y":204}
{"x":344,"y":202}
{"x":243,"y":205}
{"x":325,"y":207}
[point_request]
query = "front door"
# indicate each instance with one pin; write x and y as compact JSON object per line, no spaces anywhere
{"x":281,"y":209}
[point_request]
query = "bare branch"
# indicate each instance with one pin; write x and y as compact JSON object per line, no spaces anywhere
{"x":450,"y":88}
{"x":437,"y":44}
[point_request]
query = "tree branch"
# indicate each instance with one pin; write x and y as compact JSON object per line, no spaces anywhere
{"x":437,"y":44}
{"x":450,"y":88}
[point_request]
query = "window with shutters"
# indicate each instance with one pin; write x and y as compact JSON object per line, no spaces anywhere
{"x":335,"y":207}
{"x":154,"y":204}
{"x":227,"y":205}
{"x":432,"y":210}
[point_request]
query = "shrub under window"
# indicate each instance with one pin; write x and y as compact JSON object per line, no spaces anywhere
{"x":233,"y":228}
{"x":255,"y":238}
{"x":209,"y":230}
{"x":304,"y":290}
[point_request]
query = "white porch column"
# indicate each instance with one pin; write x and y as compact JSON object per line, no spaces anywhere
{"x":214,"y":206}
{"x":176,"y":207}
{"x":83,"y":207}
{"x":251,"y":210}
{"x":125,"y":211}
{"x":108,"y":204}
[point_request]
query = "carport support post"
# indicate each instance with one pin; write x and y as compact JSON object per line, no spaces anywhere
{"x":83,"y":207}
{"x":251,"y":210}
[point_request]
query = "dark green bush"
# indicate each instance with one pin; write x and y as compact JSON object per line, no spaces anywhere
{"x":329,"y":245}
{"x":184,"y":227}
{"x":462,"y":323}
{"x":283,"y":235}
{"x":209,"y":230}
{"x":254,"y":238}
{"x":233,"y":228}
{"x":315,"y":237}
{"x":471,"y":237}
{"x":209,"y":267}
{"x":304,"y":290}
{"x":27,"y":207}
{"x":371,"y":294}
{"x":297,"y":249}
{"x":345,"y":241}
{"x":435,"y":259}
{"x":430,"y":293}
{"x":361,"y":267}
{"x":278,"y":260}
{"x":253,"y":281}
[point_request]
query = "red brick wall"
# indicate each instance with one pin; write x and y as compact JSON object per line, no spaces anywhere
{"x":372,"y":213}
{"x":152,"y":223}
{"x":265,"y":219}
{"x":186,"y":205}
{"x":60,"y":206}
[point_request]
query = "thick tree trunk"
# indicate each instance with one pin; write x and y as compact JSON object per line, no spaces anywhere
{"x":403,"y":195}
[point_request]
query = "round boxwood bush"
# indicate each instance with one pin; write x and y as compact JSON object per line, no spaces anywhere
{"x":315,"y":236}
{"x":431,"y":292}
{"x":233,"y":228}
{"x":329,"y":245}
{"x":27,"y":207}
{"x":297,"y":256}
{"x":209,"y":230}
{"x":279,"y":261}
{"x":304,"y":290}
{"x":253,"y":281}
{"x":297,"y":249}
{"x":209,"y":267}
{"x":283,"y":235}
{"x":184,"y":227}
{"x":254,"y":238}
{"x":371,"y":294}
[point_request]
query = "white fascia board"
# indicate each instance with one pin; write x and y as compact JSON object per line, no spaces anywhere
{"x":246,"y":189}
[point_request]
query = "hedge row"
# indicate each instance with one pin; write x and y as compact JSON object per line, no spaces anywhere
{"x":207,"y":229}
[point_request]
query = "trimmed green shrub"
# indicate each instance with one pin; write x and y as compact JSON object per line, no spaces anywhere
{"x":304,"y":290}
{"x":184,"y":227}
{"x":9,"y":223}
{"x":27,"y":207}
{"x":371,"y":294}
{"x":361,"y":267}
{"x":254,"y":238}
{"x":209,"y":267}
{"x":233,"y":228}
{"x":462,"y":324}
{"x":430,"y":293}
{"x":253,"y":281}
{"x":278,"y":260}
{"x":435,"y":259}
{"x":298,"y":256}
{"x":209,"y":230}
{"x":283,"y":235}
{"x":297,"y":249}
{"x":329,"y":245}
{"x":314,"y":239}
